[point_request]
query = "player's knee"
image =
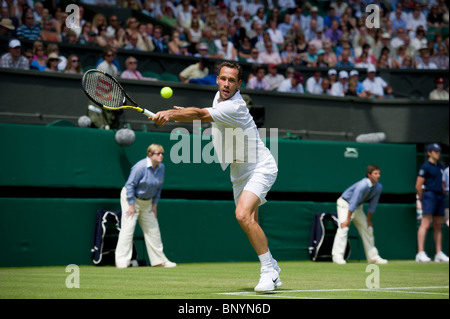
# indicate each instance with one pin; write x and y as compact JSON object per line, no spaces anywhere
{"x":243,"y":217}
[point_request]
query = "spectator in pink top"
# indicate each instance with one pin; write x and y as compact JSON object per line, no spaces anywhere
{"x":131,"y":71}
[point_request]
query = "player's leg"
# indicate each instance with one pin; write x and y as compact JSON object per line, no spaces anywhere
{"x":247,"y":216}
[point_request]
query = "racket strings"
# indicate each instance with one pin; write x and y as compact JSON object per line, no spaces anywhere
{"x":104,"y":90}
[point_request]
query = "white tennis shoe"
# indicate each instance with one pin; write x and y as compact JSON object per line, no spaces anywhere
{"x":422,"y":257}
{"x":441,"y":257}
{"x":269,"y":280}
{"x":278,"y":270}
{"x":378,"y":260}
{"x":339,"y":260}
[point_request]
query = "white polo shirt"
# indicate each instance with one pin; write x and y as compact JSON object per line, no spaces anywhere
{"x":235,"y":135}
{"x":376,"y":86}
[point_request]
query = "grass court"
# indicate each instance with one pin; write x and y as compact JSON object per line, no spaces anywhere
{"x":301,"y":280}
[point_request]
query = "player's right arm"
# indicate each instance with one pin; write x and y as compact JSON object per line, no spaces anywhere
{"x":182,"y":114}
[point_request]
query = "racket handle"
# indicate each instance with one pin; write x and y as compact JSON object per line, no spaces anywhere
{"x":148,"y":113}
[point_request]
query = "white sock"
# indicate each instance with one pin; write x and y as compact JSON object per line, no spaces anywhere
{"x":266,"y":260}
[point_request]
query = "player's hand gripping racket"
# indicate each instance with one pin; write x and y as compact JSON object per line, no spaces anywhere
{"x":105,"y":91}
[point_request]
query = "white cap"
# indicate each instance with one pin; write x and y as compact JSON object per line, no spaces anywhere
{"x":371,"y":68}
{"x":14,"y":43}
{"x":332,"y":71}
{"x":343,"y":74}
{"x":354,"y":72}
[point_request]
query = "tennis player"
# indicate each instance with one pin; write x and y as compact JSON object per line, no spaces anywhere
{"x":251,"y":176}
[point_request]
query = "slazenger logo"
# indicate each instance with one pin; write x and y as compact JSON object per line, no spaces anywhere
{"x":351,"y":152}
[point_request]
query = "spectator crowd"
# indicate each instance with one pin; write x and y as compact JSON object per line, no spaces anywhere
{"x":413,"y":34}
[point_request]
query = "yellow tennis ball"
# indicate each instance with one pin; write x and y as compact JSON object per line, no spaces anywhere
{"x":166,"y":92}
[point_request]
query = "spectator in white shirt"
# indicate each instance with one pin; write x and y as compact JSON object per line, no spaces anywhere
{"x":235,"y":3}
{"x":415,"y":20}
{"x":399,"y":10}
{"x":314,"y":83}
{"x":419,"y":41}
{"x":340,"y":87}
{"x":107,"y":65}
{"x":285,"y":5}
{"x":374,"y":85}
{"x":292,"y":85}
{"x":285,"y":26}
{"x":299,"y":18}
{"x":275,"y":34}
{"x":311,"y":32}
{"x":399,"y":39}
{"x":425,"y":61}
{"x":272,"y":77}
{"x":253,"y":6}
{"x":260,"y":17}
{"x":314,"y":14}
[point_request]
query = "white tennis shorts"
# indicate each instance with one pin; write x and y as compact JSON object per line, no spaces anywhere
{"x":257,"y":178}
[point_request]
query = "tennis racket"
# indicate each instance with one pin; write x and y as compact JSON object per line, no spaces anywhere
{"x":105,"y":91}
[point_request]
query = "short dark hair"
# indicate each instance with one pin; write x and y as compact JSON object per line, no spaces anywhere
{"x":232,"y":65}
{"x":371,"y":168}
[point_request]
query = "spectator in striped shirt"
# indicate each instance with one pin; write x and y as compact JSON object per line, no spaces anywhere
{"x":29,"y":30}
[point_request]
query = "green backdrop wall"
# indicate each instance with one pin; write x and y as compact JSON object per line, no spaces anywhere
{"x":59,"y":231}
{"x":54,"y":156}
{"x":39,"y":232}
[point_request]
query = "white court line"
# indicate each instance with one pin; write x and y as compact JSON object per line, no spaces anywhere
{"x":278,"y":294}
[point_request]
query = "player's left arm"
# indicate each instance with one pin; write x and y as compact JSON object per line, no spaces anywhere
{"x":182,"y":114}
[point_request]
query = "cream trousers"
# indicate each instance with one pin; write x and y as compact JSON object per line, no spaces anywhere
{"x":360,"y":221}
{"x":150,"y":228}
